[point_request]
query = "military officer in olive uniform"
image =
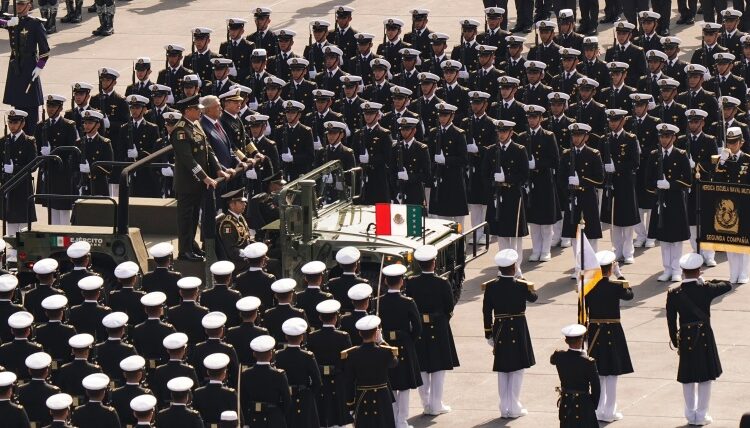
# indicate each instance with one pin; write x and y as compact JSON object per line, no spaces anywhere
{"x":233,"y":231}
{"x":506,"y":330}
{"x":413,"y":158}
{"x":689,"y":307}
{"x":606,"y":338}
{"x":264,"y":407}
{"x":627,"y":52}
{"x":200,"y":60}
{"x":17,"y":150}
{"x":579,"y":383}
{"x":447,"y":144}
{"x":373,"y":147}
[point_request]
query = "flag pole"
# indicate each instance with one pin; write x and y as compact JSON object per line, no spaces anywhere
{"x":581,"y":302}
{"x":424,"y":225}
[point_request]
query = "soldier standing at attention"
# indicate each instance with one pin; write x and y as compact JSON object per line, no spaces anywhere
{"x":435,"y":347}
{"x":505,"y":299}
{"x":179,"y":413}
{"x":309,"y":298}
{"x":372,"y":145}
{"x":255,"y":281}
{"x":162,"y":278}
{"x":302,"y":373}
{"x":222,"y":297}
{"x":59,"y":407}
{"x":348,"y":262}
{"x":232,"y":228}
{"x":148,"y":335}
{"x":214,"y":398}
{"x":54,"y":334}
{"x":94,"y":414}
{"x":115,"y":348}
{"x":176,"y":346}
{"x":127,"y":299}
{"x":689,"y":304}
{"x":606,"y":339}
{"x":264,"y":407}
{"x":17,"y":149}
{"x":579,"y":386}
{"x":359,"y":296}
{"x":274,"y":317}
{"x":143,"y":408}
{"x":186,"y":317}
{"x":12,"y":414}
{"x":133,"y":371}
{"x":239,"y":336}
{"x":95,"y":148}
{"x":35,"y":392}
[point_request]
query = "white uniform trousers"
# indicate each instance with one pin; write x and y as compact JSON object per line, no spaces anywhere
{"x":431,"y":392}
{"x":607,"y":407}
{"x":515,"y":243}
{"x":641,"y":229}
{"x":61,"y":217}
{"x":622,"y":241}
{"x":738,"y":266}
{"x":697,"y":397}
{"x":670,"y":257}
{"x":477,"y":214}
{"x":401,"y":408}
{"x":509,"y":390}
{"x":707,"y":254}
{"x":541,"y":240}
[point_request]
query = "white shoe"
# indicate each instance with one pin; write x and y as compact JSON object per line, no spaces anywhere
{"x":742,"y":280}
{"x":565,"y":242}
{"x":427,"y":410}
{"x":706,"y":420}
{"x":523,"y":412}
{"x":628,"y":260}
{"x":664,"y":277}
{"x":545,"y":257}
{"x":534,"y":257}
{"x":556,"y":243}
{"x":638,"y":243}
{"x":442,"y":410}
{"x":650,"y":243}
{"x":710,"y":262}
{"x":676,"y":278}
{"x":616,"y":417}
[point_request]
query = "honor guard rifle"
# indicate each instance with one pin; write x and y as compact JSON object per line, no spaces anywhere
{"x":401,"y":195}
{"x":660,"y":192}
{"x":572,"y":198}
{"x":438,"y":176}
{"x":498,"y":197}
{"x":194,"y":57}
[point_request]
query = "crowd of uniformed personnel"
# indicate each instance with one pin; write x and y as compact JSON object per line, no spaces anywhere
{"x":530,"y":143}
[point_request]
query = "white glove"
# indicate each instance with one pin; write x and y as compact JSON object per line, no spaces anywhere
{"x":403,"y":175}
{"x":253,"y":105}
{"x":287,"y":157}
{"x":106,"y":122}
{"x":500,"y":177}
{"x":133,"y":153}
{"x":491,"y":342}
{"x":609,"y":167}
{"x":233,"y":71}
{"x":463,"y":74}
{"x":35,"y":73}
{"x":317,"y":145}
{"x":312,"y":73}
{"x":45,"y":150}
{"x":84,"y":167}
{"x":251,"y":174}
{"x":472,"y":148}
{"x":328,"y":179}
{"x":532,"y":163}
{"x":692,"y":163}
{"x":724,"y":155}
{"x":167,"y":172}
{"x":12,"y":22}
{"x":662,"y":184}
{"x":8,"y":167}
{"x":574,"y":181}
{"x":379,"y":336}
{"x":439,"y":158}
{"x":365,"y":158}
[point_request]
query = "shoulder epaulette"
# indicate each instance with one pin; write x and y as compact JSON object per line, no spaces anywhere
{"x":345,"y":352}
{"x":528,"y":284}
{"x":486,"y":284}
{"x":622,"y":282}
{"x":674,"y":288}
{"x":393,"y":349}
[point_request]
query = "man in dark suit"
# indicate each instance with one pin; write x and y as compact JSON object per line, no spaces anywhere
{"x":217,"y":135}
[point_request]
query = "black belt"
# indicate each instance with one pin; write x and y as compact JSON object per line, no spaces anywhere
{"x":509,"y":316}
{"x":567,"y":391}
{"x":366,"y":388}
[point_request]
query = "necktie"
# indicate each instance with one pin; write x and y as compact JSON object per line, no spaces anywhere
{"x":578,"y":151}
{"x":234,"y":43}
{"x":567,"y":75}
{"x":330,"y":74}
{"x":622,"y":49}
{"x":655,"y":78}
{"x":283,"y":56}
{"x":513,"y":63}
{"x":734,"y":158}
{"x":88,"y":140}
{"x":723,"y":79}
{"x":695,"y":140}
{"x":220,"y":130}
{"x":481,"y":73}
{"x":506,"y":105}
{"x":533,"y":133}
{"x":640,"y":122}
{"x":666,"y":153}
{"x":12,"y":139}
{"x":617,"y":92}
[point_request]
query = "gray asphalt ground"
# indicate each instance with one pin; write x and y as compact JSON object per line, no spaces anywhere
{"x":650,"y":397}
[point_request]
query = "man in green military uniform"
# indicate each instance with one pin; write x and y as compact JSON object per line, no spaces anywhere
{"x":195,"y":163}
{"x":232,"y":229}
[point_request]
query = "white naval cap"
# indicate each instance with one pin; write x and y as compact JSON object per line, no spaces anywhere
{"x":320,"y":23}
{"x":724,"y":56}
{"x":78,"y":249}
{"x":294,"y":326}
{"x":82,"y":86}
{"x":56,"y":98}
{"x":213,"y":320}
{"x":107,"y":71}
{"x":451,"y":64}
{"x":132,"y":363}
{"x":468,"y":22}
{"x":654,"y":55}
{"x":81,"y":341}
{"x":695,"y":69}
{"x":175,"y":341}
{"x":333,"y":49}
{"x":53,"y":302}
{"x":201,"y":30}
{"x":557,"y":96}
{"x":617,"y":65}
{"x":585,"y":81}
{"x":731,"y":13}
{"x":350,"y":79}
{"x":222,"y":267}
{"x":367,"y":322}
{"x":569,"y":52}
{"x":247,"y":304}
{"x":155,"y":298}
{"x":297,"y":61}
{"x":591,"y":40}
{"x":445,"y":107}
{"x":393,"y":21}
{"x":21,"y":319}
{"x":314,"y":267}
{"x":335,"y":126}
{"x":534,"y":109}
{"x":228,"y":415}
{"x":545,"y":24}
{"x":506,"y":257}
{"x":696,"y":112}
{"x":17,"y":113}
{"x":9,"y":282}
{"x":59,"y":401}
{"x":216,"y":361}
{"x":576,"y":127}
{"x":189,"y":283}
{"x":648,"y":14}
{"x":157,"y":87}
{"x":255,"y":250}
{"x":364,"y":38}
{"x":565,"y":13}
{"x":262,"y":343}
{"x":95,"y":381}
{"x":126,"y":270}
{"x":734,"y":133}
{"x":711,"y":26}
{"x":425,"y":253}
{"x":143,"y":403}
{"x":292,"y":104}
{"x":91,"y":282}
{"x":38,"y":361}
{"x":614,"y":113}
{"x":259,"y":53}
{"x":180,"y":384}
{"x":501,"y":11}
{"x":395,"y":269}
{"x":236,"y":21}
{"x":347,"y":255}
{"x":691,"y":261}
{"x":478,"y":96}
{"x":380,"y":62}
{"x":409,"y":52}
{"x":507,"y":80}
{"x":7,"y":378}
{"x":283,"y":285}
{"x":428,"y":76}
{"x":624,"y":26}
{"x":136,"y":99}
{"x":174,"y":48}
{"x":538,"y":65}
{"x":329,"y":306}
{"x":638,"y":97}
{"x":573,"y":330}
{"x":667,"y":128}
{"x":729,"y":100}
{"x":668,"y":82}
{"x":45,"y":266}
{"x":359,"y":291}
{"x":605,"y":257}
{"x":115,"y":320}
{"x":285,"y":32}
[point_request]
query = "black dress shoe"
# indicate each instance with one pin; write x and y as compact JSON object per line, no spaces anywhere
{"x":190,"y":257}
{"x":664,"y":32}
{"x":592,"y":32}
{"x":526,"y":30}
{"x":516,"y":29}
{"x":198,"y":252}
{"x":608,"y":20}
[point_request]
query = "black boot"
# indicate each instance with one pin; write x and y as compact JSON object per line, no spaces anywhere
{"x":78,"y":17}
{"x":4,"y":6}
{"x":108,"y":29}
{"x":102,"y":26}
{"x":92,"y":8}
{"x":52,"y":21}
{"x":70,"y":8}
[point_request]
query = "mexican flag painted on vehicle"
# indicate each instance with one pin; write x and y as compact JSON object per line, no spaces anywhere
{"x":398,"y":220}
{"x":60,"y":241}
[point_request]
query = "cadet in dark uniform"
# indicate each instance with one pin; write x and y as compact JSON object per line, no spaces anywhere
{"x":33,"y":394}
{"x":697,"y":97}
{"x":298,"y":88}
{"x":581,"y":173}
{"x":725,"y":82}
{"x":302,"y":373}
{"x":534,"y":91}
{"x":87,"y":317}
{"x":447,"y":144}
{"x":348,"y":268}
{"x":366,"y":370}
{"x":8,"y":286}
{"x":55,"y":333}
{"x":201,"y":57}
{"x":349,"y":104}
{"x":143,"y":408}
{"x":343,"y":35}
{"x":214,"y":323}
{"x":237,"y":48}
{"x":162,"y":278}
{"x":668,"y":175}
{"x":586,"y":109}
{"x":110,"y":351}
{"x":214,"y":398}
{"x":513,"y":64}
{"x":44,"y":287}
{"x":452,"y":92}
{"x":606,"y":338}
{"x":176,"y":346}
{"x":579,"y":383}
{"x":617,"y":94}
{"x":12,"y":414}
{"x":379,"y":90}
{"x":675,"y":67}
{"x":505,"y":168}
{"x":495,"y":32}
{"x":690,"y":304}
{"x":194,"y":161}
{"x":402,"y":327}
{"x":186,"y":316}
{"x":264,"y":407}
{"x":295,"y":142}
{"x":114,"y":109}
{"x":239,"y":336}
{"x":13,"y":354}
{"x":79,"y":254}
{"x":566,"y":81}
{"x":709,"y":46}
{"x":81,"y":94}
{"x":127,"y":299}
{"x":178,"y":414}
{"x":372,"y":144}
{"x":546,"y":51}
{"x":359,"y":296}
{"x":133,"y":369}
{"x":507,"y":107}
{"x":280,"y":64}
{"x":255,"y":281}
{"x":668,"y":110}
{"x":262,"y":169}
{"x":59,"y":406}
{"x":138,"y":139}
{"x":485,"y":78}
{"x":94,"y":413}
{"x":436,"y":350}
{"x":263,"y":38}
{"x":334,"y":150}
{"x":96,"y":148}
{"x":436,"y":54}
{"x":359,"y":64}
{"x":419,"y":36}
{"x":17,"y":149}
{"x":412,"y":165}
{"x":627,"y":52}
{"x":327,"y":344}
{"x":425,"y":105}
{"x":649,"y":83}
{"x":308,"y":299}
{"x":392,"y":43}
{"x":222,"y":297}
{"x":591,"y":65}
{"x":69,"y":376}
{"x":141,"y":83}
{"x":174,"y":72}
{"x":314,"y":52}
{"x":505,"y":300}
{"x":148,"y":335}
